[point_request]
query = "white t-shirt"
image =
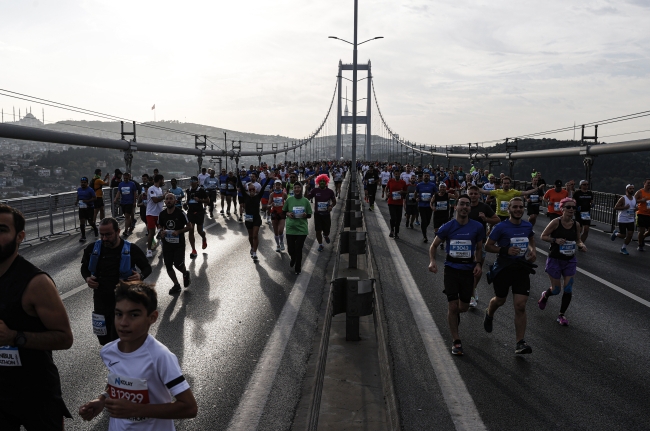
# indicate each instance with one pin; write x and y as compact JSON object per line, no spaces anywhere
{"x":406,"y":177}
{"x":150,"y":375}
{"x":202,"y":178}
{"x":385,"y":176}
{"x":154,"y":208}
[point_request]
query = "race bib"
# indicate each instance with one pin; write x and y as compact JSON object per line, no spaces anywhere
{"x":134,"y":390}
{"x":192,"y":201}
{"x":585,"y":216}
{"x":222,"y":186}
{"x":99,"y":324}
{"x":231,"y":187}
{"x":630,"y":212}
{"x":277,"y":202}
{"x":291,"y":193}
{"x":534,"y":198}
{"x":322,"y":206}
{"x":299,"y":212}
{"x":503,"y":206}
{"x":83,"y":205}
{"x":248,"y":217}
{"x":9,"y":357}
{"x":568,"y":248}
{"x":371,"y":181}
{"x":556,"y":206}
{"x":521,"y":244}
{"x":460,"y":248}
{"x":425,"y":197}
{"x":171,"y":239}
{"x":397,"y":196}
{"x":441,"y":206}
{"x":144,"y":201}
{"x":126,"y":190}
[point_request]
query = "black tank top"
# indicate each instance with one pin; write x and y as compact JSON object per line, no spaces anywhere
{"x":38,"y":376}
{"x":571,"y":236}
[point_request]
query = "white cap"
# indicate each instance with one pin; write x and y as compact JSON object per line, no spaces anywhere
{"x":629,"y":185}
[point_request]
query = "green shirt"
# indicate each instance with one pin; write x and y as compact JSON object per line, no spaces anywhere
{"x":503,"y":199}
{"x":299,"y":225}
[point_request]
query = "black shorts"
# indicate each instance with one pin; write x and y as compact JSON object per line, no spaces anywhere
{"x":47,"y":417}
{"x":127,"y":208}
{"x":338,"y":183}
{"x":257,"y":222}
{"x":383,"y":186}
{"x":86,"y":213}
{"x":459,"y":284}
{"x":241,"y":200}
{"x":99,"y":202}
{"x":624,"y":227}
{"x":643,"y":220}
{"x":411,"y":210}
{"x":532,"y":209}
{"x":173,"y":255}
{"x":322,"y":223}
{"x":278,"y":216}
{"x":517,"y":277}
{"x":440,"y":218}
{"x":196,"y":217}
{"x":582,"y":222}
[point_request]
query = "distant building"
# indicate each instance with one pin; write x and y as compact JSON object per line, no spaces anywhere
{"x":3,"y":182}
{"x":17,"y":181}
{"x":101,"y":163}
{"x":58,"y":171}
{"x":43,"y":172}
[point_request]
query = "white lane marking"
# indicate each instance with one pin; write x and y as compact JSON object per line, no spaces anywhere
{"x":255,"y":397}
{"x":74,"y":291}
{"x":459,"y":402}
{"x":607,"y":283}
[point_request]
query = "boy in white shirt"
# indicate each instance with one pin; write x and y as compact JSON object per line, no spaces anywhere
{"x":143,"y":375}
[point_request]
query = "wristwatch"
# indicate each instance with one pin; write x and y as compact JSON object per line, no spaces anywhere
{"x":20,"y":339}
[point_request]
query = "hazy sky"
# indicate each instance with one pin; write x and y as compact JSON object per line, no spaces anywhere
{"x":447,"y":72}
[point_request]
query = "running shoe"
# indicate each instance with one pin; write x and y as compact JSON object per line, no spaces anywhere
{"x":228,"y":212}
{"x":186,"y":279}
{"x":292,"y":263}
{"x":613,"y":236}
{"x":281,"y":246}
{"x":96,"y":232}
{"x":542,"y":301}
{"x":149,"y":253}
{"x":277,"y":249}
{"x":255,"y":259}
{"x":321,"y":248}
{"x":175,"y":289}
{"x":624,"y":251}
{"x":487,"y":322}
{"x":417,"y":223}
{"x":221,"y":212}
{"x":239,"y":219}
{"x":425,"y":240}
{"x":205,"y":244}
{"x":457,"y":348}
{"x":125,"y":233}
{"x":562,"y":320}
{"x":327,"y":239}
{"x":640,"y":248}
{"x":391,"y":234}
{"x":193,"y":254}
{"x":396,"y":236}
{"x":472,"y":302}
{"x":523,"y":348}
{"x":298,"y":272}
{"x":82,"y":239}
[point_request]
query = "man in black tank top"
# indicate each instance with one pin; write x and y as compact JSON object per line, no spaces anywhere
{"x":564,"y":235}
{"x":33,"y":322}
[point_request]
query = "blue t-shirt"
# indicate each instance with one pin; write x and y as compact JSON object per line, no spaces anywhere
{"x":461,"y":241}
{"x":506,"y":234}
{"x":425,"y":191}
{"x":127,"y":192}
{"x":87,"y":193}
{"x":211,"y":183}
{"x":222,"y":181}
{"x":179,"y":193}
{"x":244,"y":180}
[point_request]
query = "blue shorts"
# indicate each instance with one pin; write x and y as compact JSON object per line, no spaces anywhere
{"x":558,"y":268}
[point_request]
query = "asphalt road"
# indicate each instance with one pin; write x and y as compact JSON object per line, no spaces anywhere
{"x":218,"y":327}
{"x":591,"y":375}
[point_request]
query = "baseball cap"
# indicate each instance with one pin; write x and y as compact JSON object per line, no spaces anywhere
{"x":86,"y":179}
{"x":277,"y":182}
{"x":584,"y":182}
{"x":558,"y":183}
{"x":627,"y":186}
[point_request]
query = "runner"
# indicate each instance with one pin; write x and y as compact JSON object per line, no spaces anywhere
{"x":626,"y":207}
{"x":97,"y":185}
{"x":289,"y":186}
{"x":103,"y":265}
{"x":440,"y":207}
{"x":533,"y":201}
{"x":196,"y":197}
{"x":410,"y":204}
{"x":278,"y":218}
{"x":371,"y":179}
{"x":553,"y":198}
{"x":643,"y":213}
{"x":202,"y":176}
{"x":126,"y":194}
{"x":396,"y":191}
{"x":266,"y":195}
{"x":385,"y":177}
{"x":142,"y":197}
{"x":145,"y":385}
{"x":154,"y":207}
{"x":337,"y":174}
{"x":584,"y":198}
{"x":564,"y":235}
{"x":423,"y":193}
{"x":298,"y":210}
{"x":503,"y":197}
{"x":173,"y":224}
{"x":231,"y":191}
{"x":252,"y":200}
{"x":464,"y":238}
{"x":85,"y":201}
{"x":178,"y":193}
{"x":242,"y":179}
{"x":223,"y":189}
{"x":33,"y":323}
{"x":482,"y":213}
{"x":514,"y":241}
{"x":488,"y":187}
{"x":211,"y":185}
{"x":325,"y":201}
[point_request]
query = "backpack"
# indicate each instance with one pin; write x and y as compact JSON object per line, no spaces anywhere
{"x":126,"y":269}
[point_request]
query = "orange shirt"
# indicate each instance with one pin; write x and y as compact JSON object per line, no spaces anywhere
{"x":644,"y":209}
{"x":554,"y":199}
{"x":98,"y":183}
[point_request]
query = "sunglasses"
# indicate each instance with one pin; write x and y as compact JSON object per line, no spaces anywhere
{"x":516,"y":207}
{"x":569,"y":207}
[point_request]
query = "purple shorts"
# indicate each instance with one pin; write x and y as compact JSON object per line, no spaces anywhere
{"x":558,"y":268}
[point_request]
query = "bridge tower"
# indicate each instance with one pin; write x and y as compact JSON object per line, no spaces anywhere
{"x":343,"y":117}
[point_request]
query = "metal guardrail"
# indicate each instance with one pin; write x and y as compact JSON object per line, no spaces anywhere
{"x":52,"y":215}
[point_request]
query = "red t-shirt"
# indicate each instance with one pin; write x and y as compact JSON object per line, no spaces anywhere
{"x":554,"y":199}
{"x":395,"y":186}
